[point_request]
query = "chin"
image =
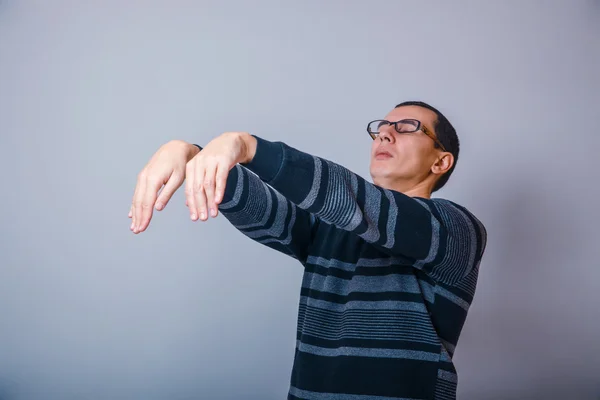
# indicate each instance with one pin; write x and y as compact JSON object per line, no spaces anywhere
{"x":378,"y":165}
{"x":379,"y":173}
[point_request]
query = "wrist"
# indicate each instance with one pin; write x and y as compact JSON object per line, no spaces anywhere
{"x":192,"y":150}
{"x":250,"y":147}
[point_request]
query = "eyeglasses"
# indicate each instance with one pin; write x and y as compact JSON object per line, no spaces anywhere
{"x":402,"y":126}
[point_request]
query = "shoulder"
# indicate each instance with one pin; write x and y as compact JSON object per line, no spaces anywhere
{"x":461,"y":221}
{"x":452,"y":209}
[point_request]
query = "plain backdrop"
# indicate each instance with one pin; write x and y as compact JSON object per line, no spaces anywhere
{"x":89,"y":90}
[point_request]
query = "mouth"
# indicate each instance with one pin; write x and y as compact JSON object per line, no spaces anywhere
{"x":382,"y":155}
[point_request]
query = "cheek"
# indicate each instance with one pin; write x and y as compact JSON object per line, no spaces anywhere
{"x":412,"y":155}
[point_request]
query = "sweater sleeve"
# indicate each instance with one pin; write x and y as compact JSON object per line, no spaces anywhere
{"x":439,"y":237}
{"x":264,"y":215}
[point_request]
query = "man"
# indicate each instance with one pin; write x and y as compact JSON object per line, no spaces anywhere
{"x":389,"y":272}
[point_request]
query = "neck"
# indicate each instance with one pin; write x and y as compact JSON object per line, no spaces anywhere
{"x":421,"y":189}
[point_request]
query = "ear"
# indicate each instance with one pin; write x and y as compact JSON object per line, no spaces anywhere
{"x":443,"y":163}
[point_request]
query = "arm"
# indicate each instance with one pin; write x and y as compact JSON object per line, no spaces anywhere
{"x":439,"y":237}
{"x":264,"y":215}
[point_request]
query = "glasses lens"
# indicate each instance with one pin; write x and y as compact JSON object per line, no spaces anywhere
{"x":375,"y":126}
{"x":407,"y":125}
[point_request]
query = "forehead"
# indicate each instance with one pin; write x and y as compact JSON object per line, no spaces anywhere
{"x":424,"y":115}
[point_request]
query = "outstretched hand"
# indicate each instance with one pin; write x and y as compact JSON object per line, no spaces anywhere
{"x":165,"y":168}
{"x":205,"y":174}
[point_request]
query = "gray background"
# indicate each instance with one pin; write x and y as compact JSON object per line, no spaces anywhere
{"x":90,"y":90}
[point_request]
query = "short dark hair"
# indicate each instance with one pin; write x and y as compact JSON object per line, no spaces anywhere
{"x":445,"y":133}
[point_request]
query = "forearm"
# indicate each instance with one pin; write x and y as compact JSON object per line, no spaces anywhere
{"x":265,"y":215}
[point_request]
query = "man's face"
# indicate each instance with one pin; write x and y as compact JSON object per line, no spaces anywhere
{"x":411,"y":155}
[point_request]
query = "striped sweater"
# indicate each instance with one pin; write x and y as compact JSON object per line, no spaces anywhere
{"x":388,"y":279}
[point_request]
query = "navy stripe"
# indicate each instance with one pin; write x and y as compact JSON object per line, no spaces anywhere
{"x":368,"y":343}
{"x":363,"y":375}
{"x":308,"y":395}
{"x":360,"y":271}
{"x":361,"y":296}
{"x":374,"y":352}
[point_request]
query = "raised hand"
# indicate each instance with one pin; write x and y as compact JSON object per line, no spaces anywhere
{"x":206,"y":174}
{"x":166,"y":170}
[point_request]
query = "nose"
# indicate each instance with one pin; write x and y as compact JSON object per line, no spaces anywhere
{"x":386,"y":133}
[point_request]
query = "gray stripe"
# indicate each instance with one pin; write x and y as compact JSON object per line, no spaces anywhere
{"x":237,"y":194}
{"x":370,"y":212}
{"x":402,"y":321}
{"x":453,"y":298}
{"x":361,"y":262}
{"x":335,"y":328}
{"x":360,"y":283}
{"x":447,"y":376}
{"x":324,"y":262}
{"x":352,"y":223}
{"x":380,"y":262}
{"x":370,"y":313}
{"x":427,"y":290}
{"x":357,"y":214}
{"x":417,"y":337}
{"x":394,"y":325}
{"x":367,"y":352}
{"x":445,"y":390}
{"x":364,"y":305}
{"x":449,"y":296}
{"x":435,"y":238}
{"x":401,"y":325}
{"x":449,"y":346}
{"x":392,"y":218}
{"x":314,"y":190}
{"x":308,"y":395}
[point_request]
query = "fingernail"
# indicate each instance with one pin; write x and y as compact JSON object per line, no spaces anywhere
{"x":159,"y":206}
{"x":213,"y":212}
{"x":131,"y":226}
{"x":193,"y":216}
{"x":202,"y":215}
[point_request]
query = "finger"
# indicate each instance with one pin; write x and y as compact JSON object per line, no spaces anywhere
{"x":132,"y":211}
{"x":190,"y":173}
{"x":137,"y":202}
{"x":167,"y":192}
{"x":130,"y":215}
{"x":221,"y":178}
{"x":132,"y":208}
{"x":152,"y":187}
{"x":209,"y":190}
{"x":199,"y":195}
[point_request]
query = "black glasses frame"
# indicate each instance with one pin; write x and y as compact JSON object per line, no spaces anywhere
{"x":416,"y":122}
